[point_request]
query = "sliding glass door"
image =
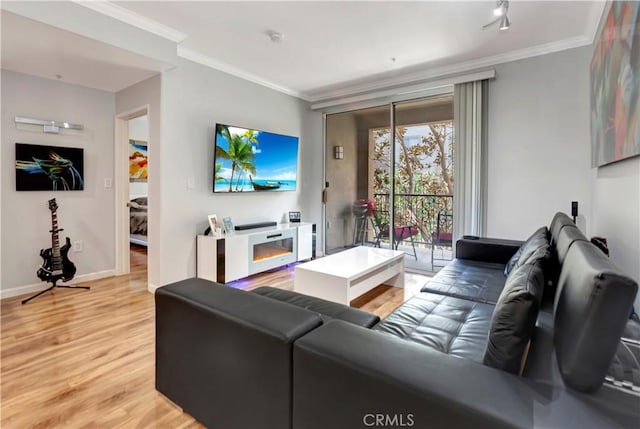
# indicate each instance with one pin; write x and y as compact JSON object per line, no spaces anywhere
{"x":392,"y":195}
{"x":423,"y":197}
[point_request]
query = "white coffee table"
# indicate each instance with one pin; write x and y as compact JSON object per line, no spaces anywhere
{"x":346,"y":275}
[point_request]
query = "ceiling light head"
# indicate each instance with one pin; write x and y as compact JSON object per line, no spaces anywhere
{"x":500,"y":14}
{"x":275,"y":36}
{"x":505,"y":23}
{"x":502,"y":7}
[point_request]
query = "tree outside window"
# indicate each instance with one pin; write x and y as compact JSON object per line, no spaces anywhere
{"x":424,"y":173}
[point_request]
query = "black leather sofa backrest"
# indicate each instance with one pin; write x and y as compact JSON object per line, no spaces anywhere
{"x":559,"y":221}
{"x":566,"y":237}
{"x":592,"y":306}
{"x":562,"y":233}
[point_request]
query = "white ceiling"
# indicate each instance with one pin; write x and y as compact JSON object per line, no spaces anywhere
{"x":334,"y":47}
{"x":42,"y":50}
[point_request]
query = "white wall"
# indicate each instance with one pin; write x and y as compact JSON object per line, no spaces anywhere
{"x":139,"y":128}
{"x":195,"y":98}
{"x":616,"y":214}
{"x":138,"y":189}
{"x":540,"y":158}
{"x":311,"y":172}
{"x":85,"y":215}
{"x":539,"y":143}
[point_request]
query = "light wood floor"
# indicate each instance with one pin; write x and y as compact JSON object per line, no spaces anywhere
{"x":85,"y":359}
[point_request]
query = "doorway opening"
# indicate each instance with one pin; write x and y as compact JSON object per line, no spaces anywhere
{"x":138,"y":191}
{"x":132,"y":191}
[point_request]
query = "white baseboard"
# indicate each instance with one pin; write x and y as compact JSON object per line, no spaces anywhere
{"x":21,"y":290}
{"x":152,"y":288}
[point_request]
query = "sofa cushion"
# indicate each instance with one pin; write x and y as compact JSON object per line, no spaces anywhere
{"x":540,"y":256}
{"x":593,"y":303}
{"x":467,"y":279}
{"x":449,"y":325}
{"x":529,"y":251}
{"x":487,"y":249}
{"x":514,"y":318}
{"x":327,"y":310}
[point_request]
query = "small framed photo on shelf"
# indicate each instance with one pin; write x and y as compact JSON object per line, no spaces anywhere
{"x":213,"y":223}
{"x":294,"y":217}
{"x":228,"y":225}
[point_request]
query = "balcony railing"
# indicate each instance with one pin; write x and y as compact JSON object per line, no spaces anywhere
{"x":419,"y":211}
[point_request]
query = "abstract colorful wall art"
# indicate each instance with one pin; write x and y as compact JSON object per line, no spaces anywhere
{"x":615,"y":86}
{"x":138,"y":161}
{"x":49,"y":168}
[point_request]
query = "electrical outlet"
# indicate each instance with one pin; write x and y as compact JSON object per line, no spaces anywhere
{"x":191,"y":182}
{"x":77,"y":246}
{"x":108,"y":183}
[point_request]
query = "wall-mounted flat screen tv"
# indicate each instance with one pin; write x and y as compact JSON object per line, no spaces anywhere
{"x":249,"y":160}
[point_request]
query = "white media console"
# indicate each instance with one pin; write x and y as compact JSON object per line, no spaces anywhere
{"x":243,"y":253}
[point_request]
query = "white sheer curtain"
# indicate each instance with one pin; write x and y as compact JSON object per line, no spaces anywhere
{"x":470,"y":158}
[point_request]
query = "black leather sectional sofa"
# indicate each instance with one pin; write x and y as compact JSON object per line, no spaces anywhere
{"x":476,"y":348}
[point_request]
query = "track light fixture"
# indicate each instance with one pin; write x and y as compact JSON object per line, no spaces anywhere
{"x":505,"y":23}
{"x":500,"y":12}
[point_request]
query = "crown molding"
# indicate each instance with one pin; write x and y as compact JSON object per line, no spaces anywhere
{"x":462,"y":67}
{"x":226,"y":68}
{"x":416,"y":90}
{"x":129,"y":17}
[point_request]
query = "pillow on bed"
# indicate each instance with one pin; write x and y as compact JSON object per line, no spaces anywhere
{"x":530,"y":251}
{"x":514,"y":318}
{"x":139,"y":203}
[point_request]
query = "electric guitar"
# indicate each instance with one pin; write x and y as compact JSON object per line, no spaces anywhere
{"x":56,"y":264}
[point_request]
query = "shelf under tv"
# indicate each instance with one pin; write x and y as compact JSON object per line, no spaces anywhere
{"x":247,"y":252}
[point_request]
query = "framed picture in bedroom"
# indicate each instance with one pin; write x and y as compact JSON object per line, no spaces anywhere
{"x":138,"y":161}
{"x":49,"y":168}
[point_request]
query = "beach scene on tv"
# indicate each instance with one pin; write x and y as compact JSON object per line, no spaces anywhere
{"x":250,"y":160}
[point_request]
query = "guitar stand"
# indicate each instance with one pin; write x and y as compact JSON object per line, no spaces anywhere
{"x":54,"y":285}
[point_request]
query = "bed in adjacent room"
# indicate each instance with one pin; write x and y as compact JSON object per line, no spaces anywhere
{"x":138,"y":221}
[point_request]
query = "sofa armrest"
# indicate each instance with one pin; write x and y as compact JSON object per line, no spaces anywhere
{"x":343,"y":374}
{"x":218,"y":349}
{"x":485,"y":249}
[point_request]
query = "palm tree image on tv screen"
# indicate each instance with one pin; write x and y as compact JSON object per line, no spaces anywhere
{"x":250,"y":160}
